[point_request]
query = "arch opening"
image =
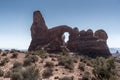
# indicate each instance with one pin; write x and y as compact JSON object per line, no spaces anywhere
{"x":65,"y":37}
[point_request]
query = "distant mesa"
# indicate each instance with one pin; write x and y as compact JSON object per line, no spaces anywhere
{"x":52,"y":40}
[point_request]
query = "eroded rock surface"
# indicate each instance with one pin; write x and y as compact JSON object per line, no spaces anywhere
{"x":52,"y":40}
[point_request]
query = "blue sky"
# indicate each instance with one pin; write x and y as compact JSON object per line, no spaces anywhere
{"x":16,"y":18}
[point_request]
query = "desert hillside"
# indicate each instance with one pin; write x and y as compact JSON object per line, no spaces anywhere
{"x":40,"y":65}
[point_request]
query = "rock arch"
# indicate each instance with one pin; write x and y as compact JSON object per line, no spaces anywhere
{"x":83,"y":42}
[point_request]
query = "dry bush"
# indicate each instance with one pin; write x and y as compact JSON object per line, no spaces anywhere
{"x":14,"y":55}
{"x":7,"y":74}
{"x":86,"y":76}
{"x":104,"y":68}
{"x":4,"y":61}
{"x":41,"y":53}
{"x":0,"y":51}
{"x":31,"y":73}
{"x":17,"y":64}
{"x":47,"y":73}
{"x":30,"y":59}
{"x":49,"y":64}
{"x":66,"y":61}
{"x":81,"y":66}
{"x":16,"y":76}
{"x":1,"y":72}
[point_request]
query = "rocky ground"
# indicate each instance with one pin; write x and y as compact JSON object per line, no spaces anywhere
{"x":39,"y":65}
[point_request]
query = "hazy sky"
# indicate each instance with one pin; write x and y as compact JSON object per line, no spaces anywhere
{"x":16,"y":18}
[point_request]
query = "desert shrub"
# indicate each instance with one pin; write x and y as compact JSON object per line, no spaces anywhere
{"x":17,"y":69}
{"x":17,"y":76}
{"x":89,"y":63}
{"x":81,"y":58}
{"x":110,"y":63}
{"x":75,"y":60}
{"x":7,"y":74}
{"x":56,"y":77}
{"x":104,"y":68}
{"x":27,"y":55}
{"x":14,"y":55}
{"x":1,"y":72}
{"x":67,"y":78}
{"x":81,"y":66}
{"x":66,"y":61}
{"x":17,"y":64}
{"x":64,"y":53}
{"x":4,"y":61}
{"x":47,"y":73}
{"x":86,"y":76}
{"x":41,"y":53}
{"x":33,"y":58}
{"x":49,"y":64}
{"x":12,"y":50}
{"x":27,"y":62}
{"x":31,"y":73}
{"x":85,"y":59}
{"x":30,"y":59}
{"x":0,"y":51}
{"x":53,"y":59}
{"x":4,"y":53}
{"x":16,"y":73}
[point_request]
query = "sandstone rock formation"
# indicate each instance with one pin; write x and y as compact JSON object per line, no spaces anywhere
{"x":51,"y":40}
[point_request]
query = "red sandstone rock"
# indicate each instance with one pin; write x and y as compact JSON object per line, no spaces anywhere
{"x":51,"y":40}
{"x":89,"y":33}
{"x":101,"y":34}
{"x":82,"y":33}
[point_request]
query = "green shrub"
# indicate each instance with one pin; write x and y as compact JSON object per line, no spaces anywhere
{"x":27,"y":62}
{"x":16,"y":73}
{"x":75,"y":60}
{"x":17,"y":69}
{"x":67,"y":78}
{"x":30,"y":59}
{"x":31,"y":73}
{"x":82,"y":58}
{"x":33,"y":58}
{"x":66,"y":61}
{"x":89,"y":63}
{"x":17,"y":76}
{"x":47,"y":73}
{"x":49,"y":64}
{"x":4,"y":54}
{"x":4,"y":61}
{"x":17,"y":64}
{"x":81,"y":66}
{"x":41,"y":53}
{"x":12,"y":51}
{"x":7,"y":74}
{"x":104,"y":68}
{"x":86,"y":76}
{"x":14,"y":55}
{"x":64,"y":53}
{"x":1,"y":72}
{"x":0,"y":51}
